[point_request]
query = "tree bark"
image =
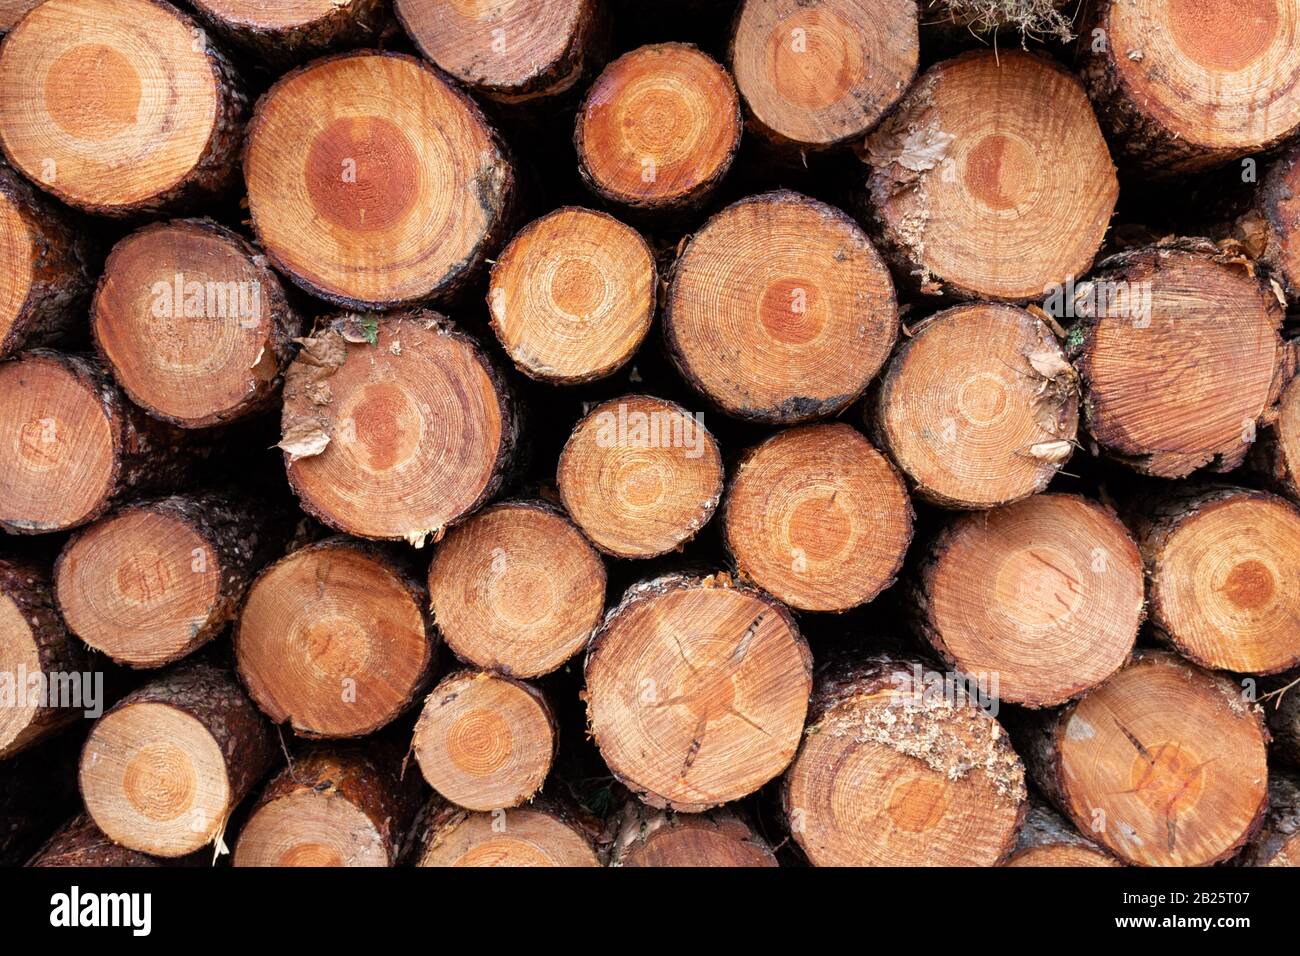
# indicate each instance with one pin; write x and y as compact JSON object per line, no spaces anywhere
{"x":979,"y":407}
{"x":780,"y":310}
{"x":38,"y":790}
{"x":697,"y":690}
{"x":1183,"y":88}
{"x":572,"y":296}
{"x":517,"y":589}
{"x":721,"y":838}
{"x":381,"y":208}
{"x":818,"y":518}
{"x":960,"y":198}
{"x":514,"y":53}
{"x":1276,"y":455}
{"x":193,"y":323}
{"x":1044,"y":597}
{"x":1164,"y":763}
{"x":1278,"y":841}
{"x":485,"y":742}
{"x":79,"y":843}
{"x":172,"y":127}
{"x":334,"y":639}
{"x":162,"y":771}
{"x":814,"y":75}
{"x":640,"y":476}
{"x":1048,"y":839}
{"x":157,"y":580}
{"x":672,"y":161}
{"x":902,"y":766}
{"x":1169,"y":383}
{"x":279,"y":38}
{"x":407,"y":410}
{"x":544,"y":833}
{"x":334,"y":805}
{"x":35,"y":644}
{"x":45,"y":278}
{"x":1267,"y":228}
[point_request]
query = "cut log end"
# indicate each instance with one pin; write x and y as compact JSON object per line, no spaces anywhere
{"x":816,"y":74}
{"x":280,"y":33}
{"x":961,"y":192}
{"x":640,"y":476}
{"x":65,"y":439}
{"x":513,"y":51}
{"x":891,"y":773}
{"x":1179,"y":358}
{"x":784,"y":336}
{"x":419,"y":421}
{"x":516,"y":589}
{"x":485,"y":742}
{"x":520,"y":837}
{"x":332,"y":639}
{"x":818,"y":518}
{"x":193,"y":322}
{"x":1223,"y":567}
{"x":1047,"y":839}
{"x":388,"y":195}
{"x":697,"y":691}
{"x":659,"y":127}
{"x":154,"y":779}
{"x":1169,"y":758}
{"x":132,"y":77}
{"x":141,"y":586}
{"x":980,"y":407}
{"x":573,"y":295}
{"x":1179,"y":84}
{"x":1044,"y":596}
{"x":718,"y":838}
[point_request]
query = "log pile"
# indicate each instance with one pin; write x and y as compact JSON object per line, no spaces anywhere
{"x":754,"y":433}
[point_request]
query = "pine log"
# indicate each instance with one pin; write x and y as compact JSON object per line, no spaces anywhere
{"x":1268,"y":229}
{"x":119,"y":107}
{"x":640,"y":476}
{"x":697,"y":689}
{"x":544,"y":833}
{"x":818,"y":518}
{"x":38,"y":791}
{"x":79,"y":843}
{"x":484,"y":741}
{"x":1045,"y":597}
{"x":1276,"y":455}
{"x":333,"y":639}
{"x":1179,"y":356}
{"x":1164,"y":763}
{"x":1224,"y":567}
{"x":395,"y":428}
{"x":517,"y":589}
{"x":780,"y":310}
{"x":79,"y":447}
{"x":979,"y":407}
{"x":334,"y":805}
{"x":389,"y":195}
{"x":35,"y":646}
{"x":659,"y":128}
{"x":193,"y":323}
{"x":277,"y":34}
{"x":45,"y":277}
{"x":162,"y":771}
{"x":572,"y":296}
{"x":156,"y":580}
{"x":512,"y":51}
{"x":1190,"y":84}
{"x":816,"y":74}
{"x":722,"y":838}
{"x":1283,"y":711}
{"x":898,"y":768}
{"x":961,"y":192}
{"x":1047,"y":839}
{"x":1278,"y":841}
